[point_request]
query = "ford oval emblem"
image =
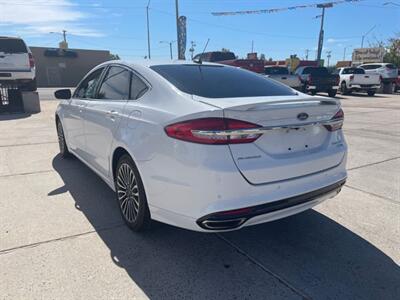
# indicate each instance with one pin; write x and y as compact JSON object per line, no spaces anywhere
{"x":302,"y":116}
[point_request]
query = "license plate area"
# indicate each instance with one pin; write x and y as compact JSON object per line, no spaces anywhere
{"x":289,"y":141}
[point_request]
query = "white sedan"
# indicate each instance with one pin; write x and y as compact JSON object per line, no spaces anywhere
{"x":203,"y":146}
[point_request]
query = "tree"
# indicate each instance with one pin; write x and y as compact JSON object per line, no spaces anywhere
{"x":114,"y":56}
{"x":393,"y":51}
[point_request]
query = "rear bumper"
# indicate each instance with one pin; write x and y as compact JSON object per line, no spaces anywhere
{"x":16,"y":76}
{"x":227,"y":220}
{"x":322,"y":88}
{"x":360,"y":87}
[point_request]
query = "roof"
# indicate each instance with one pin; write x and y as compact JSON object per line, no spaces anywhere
{"x":150,"y":62}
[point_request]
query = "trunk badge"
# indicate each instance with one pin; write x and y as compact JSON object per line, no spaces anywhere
{"x":302,"y":116}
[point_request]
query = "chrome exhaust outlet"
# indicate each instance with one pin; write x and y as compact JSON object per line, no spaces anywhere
{"x":222,"y":224}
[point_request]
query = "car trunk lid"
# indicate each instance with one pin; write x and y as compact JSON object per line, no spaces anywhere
{"x":294,"y":142}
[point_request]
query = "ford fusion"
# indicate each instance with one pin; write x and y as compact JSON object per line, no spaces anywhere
{"x":203,"y":146}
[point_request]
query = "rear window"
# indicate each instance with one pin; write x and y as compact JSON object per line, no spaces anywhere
{"x":371,"y":67}
{"x":353,"y":71}
{"x":391,"y":66}
{"x":12,"y":46}
{"x":220,"y":82}
{"x":276,"y":71}
{"x":316,"y":71}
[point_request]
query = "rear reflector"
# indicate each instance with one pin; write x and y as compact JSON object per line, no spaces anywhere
{"x":198,"y":131}
{"x":338,"y":117}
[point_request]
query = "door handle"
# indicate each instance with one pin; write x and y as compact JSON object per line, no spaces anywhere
{"x":112,"y":114}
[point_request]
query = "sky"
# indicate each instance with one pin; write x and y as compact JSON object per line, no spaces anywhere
{"x":120,"y":26}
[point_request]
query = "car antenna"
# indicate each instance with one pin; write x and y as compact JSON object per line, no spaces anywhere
{"x":199,"y":61}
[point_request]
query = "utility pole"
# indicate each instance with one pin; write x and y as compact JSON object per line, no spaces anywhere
{"x":177,"y":26}
{"x":64,"y":35}
{"x":328,"y":56}
{"x":362,"y":39}
{"x":148,"y":30}
{"x":321,"y":31}
{"x":170,"y":46}
{"x":307,"y":52}
{"x":344,"y":52}
{"x":252,"y":46}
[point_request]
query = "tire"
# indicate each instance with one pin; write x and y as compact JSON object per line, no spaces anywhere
{"x":130,"y":194}
{"x":343,"y":89}
{"x":61,"y":141}
{"x":31,"y":86}
{"x":332,"y":93}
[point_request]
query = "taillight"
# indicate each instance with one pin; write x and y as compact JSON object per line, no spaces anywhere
{"x":351,"y":77}
{"x":336,"y":122}
{"x":31,"y":60}
{"x":380,"y":78}
{"x":309,"y":79}
{"x":215,"y":131}
{"x":338,"y":79}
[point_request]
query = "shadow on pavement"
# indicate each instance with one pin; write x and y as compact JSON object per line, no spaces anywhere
{"x":313,"y":253}
{"x":13,"y":116}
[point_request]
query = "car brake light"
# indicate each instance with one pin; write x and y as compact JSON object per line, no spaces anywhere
{"x":338,"y":79}
{"x":336,"y":122}
{"x":309,"y":79}
{"x":380,"y":77}
{"x":31,"y":60}
{"x":213,"y":131}
{"x":351,"y":77}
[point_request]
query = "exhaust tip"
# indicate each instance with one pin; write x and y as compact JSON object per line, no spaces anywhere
{"x":222,"y":224}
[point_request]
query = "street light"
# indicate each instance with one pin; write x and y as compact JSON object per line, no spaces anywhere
{"x":170,"y":46}
{"x":148,"y":29}
{"x":362,"y":40}
{"x":344,"y":51}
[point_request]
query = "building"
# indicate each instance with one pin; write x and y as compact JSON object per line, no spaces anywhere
{"x":57,"y":67}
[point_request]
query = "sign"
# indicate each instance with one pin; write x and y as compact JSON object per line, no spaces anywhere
{"x":368,"y":55}
{"x":182,"y":37}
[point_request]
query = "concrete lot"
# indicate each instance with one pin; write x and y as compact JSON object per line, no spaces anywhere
{"x":61,"y":236}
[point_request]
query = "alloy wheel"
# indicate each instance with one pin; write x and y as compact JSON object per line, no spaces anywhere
{"x":128,"y":192}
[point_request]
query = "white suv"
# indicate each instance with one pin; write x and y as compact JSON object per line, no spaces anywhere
{"x":17,"y":67}
{"x":387,"y":71}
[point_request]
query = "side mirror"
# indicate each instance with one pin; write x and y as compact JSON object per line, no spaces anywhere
{"x":63,"y":94}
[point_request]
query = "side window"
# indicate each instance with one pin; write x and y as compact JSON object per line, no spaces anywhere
{"x":115,"y":85}
{"x":138,"y":87}
{"x":88,"y":87}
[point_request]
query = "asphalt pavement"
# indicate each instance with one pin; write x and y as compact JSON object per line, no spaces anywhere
{"x":61,"y":235}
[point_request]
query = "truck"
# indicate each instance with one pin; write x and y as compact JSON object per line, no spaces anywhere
{"x":282,"y":74}
{"x":318,"y":79}
{"x":17,"y":66}
{"x":229,"y":58}
{"x":356,"y":80}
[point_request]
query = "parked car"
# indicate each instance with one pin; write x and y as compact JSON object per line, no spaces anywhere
{"x":388,"y":72}
{"x":254,"y":65}
{"x":397,"y":84}
{"x":283,"y":75}
{"x":205,"y":147}
{"x":318,"y":79}
{"x":17,"y":66}
{"x":356,"y":80}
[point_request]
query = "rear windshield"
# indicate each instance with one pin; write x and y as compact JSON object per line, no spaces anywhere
{"x":276,"y":71}
{"x":220,"y":82}
{"x":353,"y":71}
{"x":390,"y":66}
{"x":12,"y":46}
{"x":316,"y":71}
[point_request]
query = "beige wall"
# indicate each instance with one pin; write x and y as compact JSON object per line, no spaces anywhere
{"x":64,"y":71}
